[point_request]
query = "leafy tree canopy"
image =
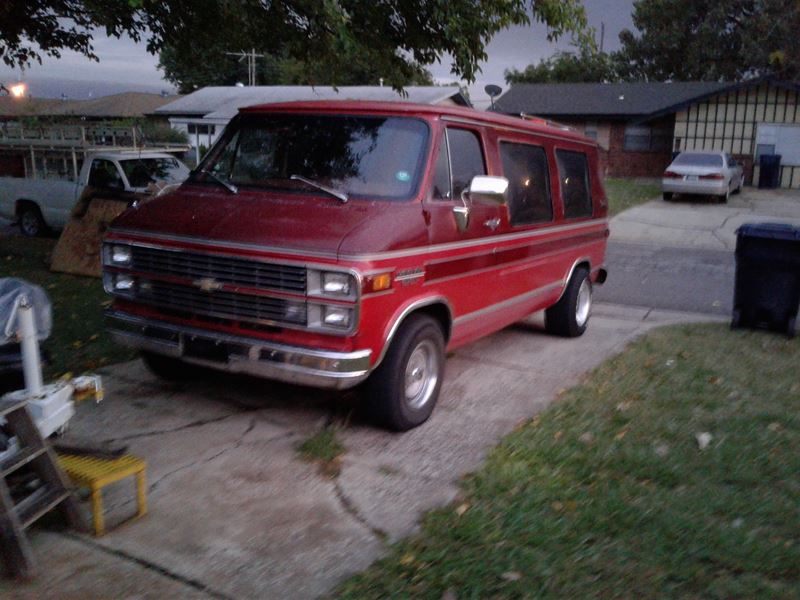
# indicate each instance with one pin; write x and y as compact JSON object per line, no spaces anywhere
{"x":712,"y":40}
{"x":584,"y":65}
{"x":394,"y":36}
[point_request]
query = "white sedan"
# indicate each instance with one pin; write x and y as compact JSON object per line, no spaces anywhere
{"x":707,"y":173}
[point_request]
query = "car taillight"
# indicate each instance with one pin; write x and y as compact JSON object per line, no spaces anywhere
{"x":712,"y":176}
{"x":672,"y":175}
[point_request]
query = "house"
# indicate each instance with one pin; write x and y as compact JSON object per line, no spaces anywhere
{"x":127,"y":105}
{"x":203,"y":114}
{"x":640,"y":125}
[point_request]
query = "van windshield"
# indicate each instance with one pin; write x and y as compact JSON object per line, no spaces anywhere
{"x":362,"y":156}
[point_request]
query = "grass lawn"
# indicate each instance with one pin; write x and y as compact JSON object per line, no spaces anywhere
{"x":609,"y":494}
{"x":78,"y":342}
{"x":627,"y":193}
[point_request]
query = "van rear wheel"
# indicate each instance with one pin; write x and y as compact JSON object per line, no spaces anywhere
{"x":402,"y":392}
{"x":570,"y":315}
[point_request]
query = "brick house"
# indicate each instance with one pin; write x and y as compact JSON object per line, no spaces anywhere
{"x":640,"y":125}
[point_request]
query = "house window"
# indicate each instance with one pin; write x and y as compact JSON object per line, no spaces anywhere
{"x":201,"y":129}
{"x":643,"y":138}
{"x":590,"y":130}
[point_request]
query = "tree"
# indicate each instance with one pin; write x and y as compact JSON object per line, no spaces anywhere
{"x":713,"y":40}
{"x":219,"y":67}
{"x":585,"y":65}
{"x":391,"y":35}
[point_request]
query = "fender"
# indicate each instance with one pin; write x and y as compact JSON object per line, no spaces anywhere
{"x":565,"y":282}
{"x":406,"y":310}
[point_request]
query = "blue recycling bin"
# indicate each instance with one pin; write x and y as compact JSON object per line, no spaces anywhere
{"x":769,"y":171}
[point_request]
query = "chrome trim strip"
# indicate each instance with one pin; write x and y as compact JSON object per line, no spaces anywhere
{"x":501,"y":237}
{"x":585,"y":259}
{"x":291,"y":364}
{"x":506,"y":303}
{"x":407,"y":311}
{"x":532,"y":131}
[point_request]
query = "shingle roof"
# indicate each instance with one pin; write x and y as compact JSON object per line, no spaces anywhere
{"x":604,"y":99}
{"x":224,"y":102}
{"x":127,"y":104}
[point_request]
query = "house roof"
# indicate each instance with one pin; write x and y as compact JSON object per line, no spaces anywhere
{"x":125,"y":105}
{"x":222,"y":103}
{"x":601,"y":99}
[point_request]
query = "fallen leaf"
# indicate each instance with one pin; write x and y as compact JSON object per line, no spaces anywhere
{"x":407,"y":560}
{"x":621,"y":434}
{"x":77,"y":344}
{"x":462,"y":508}
{"x":511,"y":576}
{"x":557,"y":506}
{"x":774,"y":426}
{"x":670,"y":362}
{"x":558,"y":435}
{"x":94,"y":336}
{"x":449,"y":594}
{"x":714,"y":380}
{"x":703,"y":439}
{"x":662,"y":450}
{"x":587,"y":437}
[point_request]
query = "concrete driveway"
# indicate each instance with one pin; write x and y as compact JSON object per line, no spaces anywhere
{"x":695,"y":222}
{"x":235,"y":512}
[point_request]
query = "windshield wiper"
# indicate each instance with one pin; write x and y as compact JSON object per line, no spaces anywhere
{"x":223,"y":182}
{"x":335,"y":193}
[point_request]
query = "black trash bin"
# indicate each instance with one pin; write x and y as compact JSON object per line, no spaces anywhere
{"x":769,"y":171}
{"x":767,"y":292}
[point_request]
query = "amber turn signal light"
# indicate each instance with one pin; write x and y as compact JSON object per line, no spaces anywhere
{"x":377,"y":283}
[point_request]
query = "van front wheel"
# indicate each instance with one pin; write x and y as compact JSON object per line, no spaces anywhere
{"x":402,"y":392}
{"x":570,"y":315}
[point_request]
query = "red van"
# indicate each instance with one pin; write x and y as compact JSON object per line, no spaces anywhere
{"x":334,"y":244}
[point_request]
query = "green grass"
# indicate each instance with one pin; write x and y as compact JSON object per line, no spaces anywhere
{"x":608,"y":494}
{"x":79,"y":342}
{"x":323,"y":448}
{"x":627,"y":193}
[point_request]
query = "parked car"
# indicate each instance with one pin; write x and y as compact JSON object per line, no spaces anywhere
{"x":338,"y":243}
{"x":42,"y":203}
{"x":706,"y":173}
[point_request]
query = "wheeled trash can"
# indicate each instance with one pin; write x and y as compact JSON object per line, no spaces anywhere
{"x":767,"y":292}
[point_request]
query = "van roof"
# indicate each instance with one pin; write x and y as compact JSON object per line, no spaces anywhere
{"x":531,"y":124}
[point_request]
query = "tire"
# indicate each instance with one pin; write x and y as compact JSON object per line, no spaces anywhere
{"x":31,"y":222}
{"x":726,"y":196}
{"x":569,"y":317}
{"x":667,"y":196}
{"x":402,"y":392}
{"x":738,"y":189}
{"x":170,"y":369}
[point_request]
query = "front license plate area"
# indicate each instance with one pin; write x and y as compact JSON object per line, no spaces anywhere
{"x":205,"y":349}
{"x":691,"y":178}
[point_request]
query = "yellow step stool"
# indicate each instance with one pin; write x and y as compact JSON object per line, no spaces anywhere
{"x":96,"y":473}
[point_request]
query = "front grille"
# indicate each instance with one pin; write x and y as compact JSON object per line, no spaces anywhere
{"x":225,"y":269}
{"x":220,"y":303}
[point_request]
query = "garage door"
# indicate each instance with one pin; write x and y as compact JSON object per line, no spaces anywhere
{"x":779,"y":139}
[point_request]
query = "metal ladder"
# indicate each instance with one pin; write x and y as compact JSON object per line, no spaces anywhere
{"x":17,"y":514}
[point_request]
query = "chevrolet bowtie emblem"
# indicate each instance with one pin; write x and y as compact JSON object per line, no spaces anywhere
{"x":207,"y":284}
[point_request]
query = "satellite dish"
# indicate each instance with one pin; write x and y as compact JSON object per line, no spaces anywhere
{"x":493,"y":90}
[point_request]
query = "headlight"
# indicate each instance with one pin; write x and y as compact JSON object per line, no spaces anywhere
{"x":336,"y":316}
{"x":336,"y":284}
{"x":119,"y":256}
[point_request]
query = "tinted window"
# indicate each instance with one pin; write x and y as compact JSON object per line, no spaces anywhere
{"x":141,"y":172}
{"x":374,"y":157}
{"x":525,"y":167}
{"x":574,"y":173}
{"x":466,"y":159}
{"x":697,"y":159}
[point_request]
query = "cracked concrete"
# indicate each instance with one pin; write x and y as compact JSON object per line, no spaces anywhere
{"x":701,"y":223}
{"x":235,"y":513}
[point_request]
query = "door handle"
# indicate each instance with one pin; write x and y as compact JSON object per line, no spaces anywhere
{"x":492,"y":223}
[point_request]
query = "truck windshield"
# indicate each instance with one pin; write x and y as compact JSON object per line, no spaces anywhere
{"x":361,"y":156}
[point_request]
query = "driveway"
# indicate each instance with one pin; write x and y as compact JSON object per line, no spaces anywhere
{"x":236,"y":513}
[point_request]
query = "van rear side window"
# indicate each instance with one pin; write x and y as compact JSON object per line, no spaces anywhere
{"x":573,"y":171}
{"x":525,"y":167}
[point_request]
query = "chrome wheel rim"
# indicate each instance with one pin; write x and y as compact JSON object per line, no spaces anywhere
{"x":583,"y":307}
{"x":422,"y":374}
{"x":29,"y":223}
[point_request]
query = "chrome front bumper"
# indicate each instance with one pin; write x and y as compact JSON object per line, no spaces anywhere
{"x":238,"y":354}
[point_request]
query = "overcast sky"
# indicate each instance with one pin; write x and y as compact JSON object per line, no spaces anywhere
{"x":123,"y":61}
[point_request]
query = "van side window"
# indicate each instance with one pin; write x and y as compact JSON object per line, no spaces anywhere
{"x":573,"y":170}
{"x":451,"y":177}
{"x":525,"y":167}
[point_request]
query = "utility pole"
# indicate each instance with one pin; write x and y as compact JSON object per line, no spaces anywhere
{"x":251,"y":63}
{"x":602,"y":34}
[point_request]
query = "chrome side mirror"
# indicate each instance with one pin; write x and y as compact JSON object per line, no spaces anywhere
{"x":488,"y":188}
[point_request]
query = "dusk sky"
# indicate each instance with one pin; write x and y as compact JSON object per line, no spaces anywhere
{"x":125,"y":62}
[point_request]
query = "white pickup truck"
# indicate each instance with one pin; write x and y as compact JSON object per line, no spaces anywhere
{"x":38,"y":204}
